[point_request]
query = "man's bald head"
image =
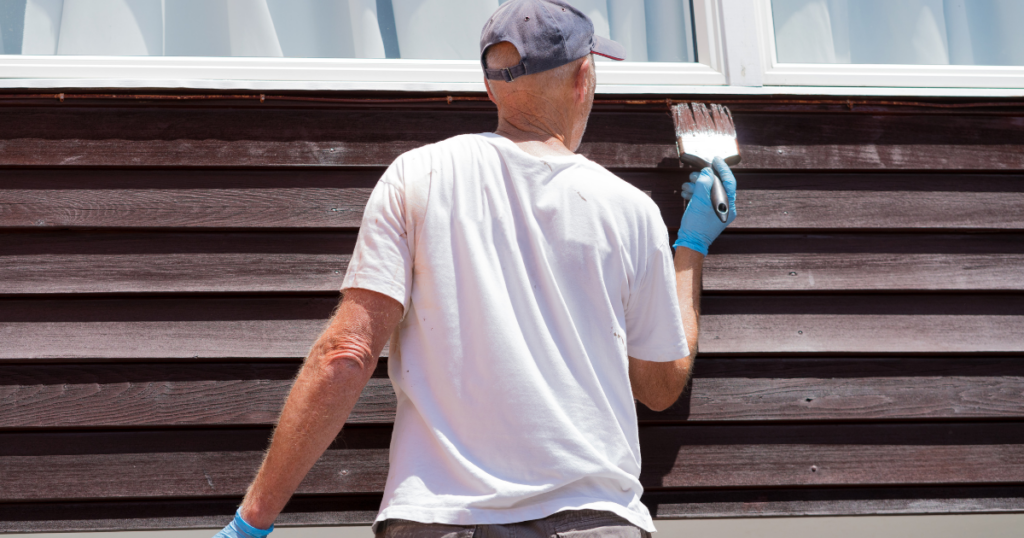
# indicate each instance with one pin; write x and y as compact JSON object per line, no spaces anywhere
{"x":561,"y":96}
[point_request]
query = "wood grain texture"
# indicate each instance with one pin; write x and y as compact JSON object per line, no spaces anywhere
{"x":222,"y":199}
{"x":277,"y":136}
{"x":664,"y":504}
{"x":795,"y":200}
{"x":137,"y":395}
{"x":798,"y":455}
{"x":879,"y":142}
{"x":722,"y":390}
{"x":285,"y":327}
{"x":93,"y":262}
{"x":308,"y":198}
{"x":153,"y":464}
{"x":175,"y":464}
{"x":203,"y":513}
{"x":178,"y":328}
{"x":62,"y":262}
{"x":824,"y":324}
{"x":861,"y":389}
{"x":861,"y":262}
{"x":833,"y":501}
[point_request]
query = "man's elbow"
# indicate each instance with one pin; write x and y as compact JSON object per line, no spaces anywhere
{"x":344,"y":358}
{"x":668,"y":385}
{"x":663,"y":400}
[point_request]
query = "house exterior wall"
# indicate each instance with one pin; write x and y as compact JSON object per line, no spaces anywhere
{"x":167,"y":259}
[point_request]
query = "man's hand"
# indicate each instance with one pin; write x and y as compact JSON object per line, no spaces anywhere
{"x":238,"y":528}
{"x":700,"y":225}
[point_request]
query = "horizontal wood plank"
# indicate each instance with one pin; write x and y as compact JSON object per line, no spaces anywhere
{"x":223,"y":199}
{"x":311,"y":198}
{"x":861,"y":262}
{"x":833,"y":502}
{"x":869,"y":454}
{"x":162,"y":328}
{"x":175,"y":464}
{"x":278,"y":136}
{"x":203,"y":513}
{"x":133,"y":395}
{"x":722,"y":390}
{"x":153,"y":464}
{"x":665,"y":504}
{"x":95,"y":262}
{"x":856,"y":389}
{"x":825,"y":324}
{"x":285,"y":327}
{"x":59,"y":263}
{"x":854,"y":201}
{"x":878,"y":142}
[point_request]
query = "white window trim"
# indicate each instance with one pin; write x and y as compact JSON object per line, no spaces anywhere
{"x":871,"y":75}
{"x":156,"y":72}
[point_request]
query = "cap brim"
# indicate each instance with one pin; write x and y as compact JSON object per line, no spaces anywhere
{"x":608,"y":48}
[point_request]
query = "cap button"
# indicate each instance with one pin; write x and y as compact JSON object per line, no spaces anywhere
{"x":527,"y":18}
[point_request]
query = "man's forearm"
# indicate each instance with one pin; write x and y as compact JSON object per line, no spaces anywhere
{"x":321,"y":399}
{"x":688,"y":265}
{"x":324,"y":393}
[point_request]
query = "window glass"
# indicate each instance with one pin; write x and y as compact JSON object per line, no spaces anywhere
{"x":651,"y":30}
{"x":921,"y":32}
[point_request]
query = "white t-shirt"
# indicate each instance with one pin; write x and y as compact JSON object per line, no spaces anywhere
{"x":526,"y":282}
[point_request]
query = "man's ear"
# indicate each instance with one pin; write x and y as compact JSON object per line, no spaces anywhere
{"x":489,"y":94}
{"x":583,"y":79}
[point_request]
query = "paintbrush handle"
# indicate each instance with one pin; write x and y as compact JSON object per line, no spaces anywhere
{"x":719,"y":199}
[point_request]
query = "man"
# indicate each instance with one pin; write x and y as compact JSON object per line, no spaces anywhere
{"x":534,"y":298}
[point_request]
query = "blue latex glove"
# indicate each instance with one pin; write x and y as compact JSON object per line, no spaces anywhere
{"x":238,"y":528}
{"x":700,"y":225}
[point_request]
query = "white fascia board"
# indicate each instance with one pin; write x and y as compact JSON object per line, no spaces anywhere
{"x":910,"y":76}
{"x":269,"y":74}
{"x":652,"y":90}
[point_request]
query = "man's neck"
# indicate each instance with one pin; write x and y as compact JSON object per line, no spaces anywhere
{"x":537,"y":140}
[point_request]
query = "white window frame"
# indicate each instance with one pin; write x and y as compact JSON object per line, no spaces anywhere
{"x":776,"y":73}
{"x":237,"y":73}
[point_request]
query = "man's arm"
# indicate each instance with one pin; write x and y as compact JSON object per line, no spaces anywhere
{"x":324,"y":393}
{"x":659,"y":384}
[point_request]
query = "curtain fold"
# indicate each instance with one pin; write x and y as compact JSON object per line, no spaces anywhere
{"x":441,"y":29}
{"x":917,"y":32}
{"x":317,"y":28}
{"x":650,"y":30}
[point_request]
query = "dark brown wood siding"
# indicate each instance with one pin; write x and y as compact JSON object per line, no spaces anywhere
{"x":166,"y":261}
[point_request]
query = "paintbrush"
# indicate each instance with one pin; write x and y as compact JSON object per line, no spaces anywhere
{"x":703,"y":133}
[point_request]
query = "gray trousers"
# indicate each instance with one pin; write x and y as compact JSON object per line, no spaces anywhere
{"x":567,"y":524}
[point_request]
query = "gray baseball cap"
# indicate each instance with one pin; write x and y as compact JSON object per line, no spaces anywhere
{"x":547,"y":34}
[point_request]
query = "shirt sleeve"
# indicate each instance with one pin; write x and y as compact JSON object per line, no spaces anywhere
{"x":382,"y":259}
{"x":654,"y":326}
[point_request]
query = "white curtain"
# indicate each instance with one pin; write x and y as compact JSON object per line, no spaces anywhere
{"x":308,"y":28}
{"x":922,"y":32}
{"x":314,"y":28}
{"x":650,"y":30}
{"x":441,"y":29}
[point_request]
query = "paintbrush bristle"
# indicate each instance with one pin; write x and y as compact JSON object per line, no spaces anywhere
{"x":705,"y":132}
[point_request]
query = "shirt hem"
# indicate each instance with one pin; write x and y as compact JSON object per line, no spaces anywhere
{"x":471,"y":517}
